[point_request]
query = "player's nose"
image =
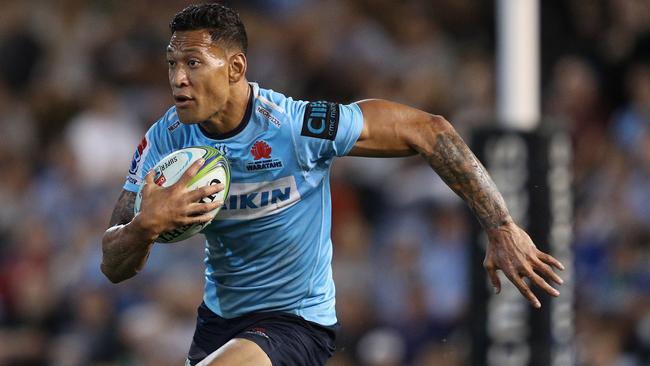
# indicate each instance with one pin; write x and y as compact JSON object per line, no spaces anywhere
{"x":179,"y":78}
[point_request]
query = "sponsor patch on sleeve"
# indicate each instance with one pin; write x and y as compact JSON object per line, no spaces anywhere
{"x":137,"y":156}
{"x":321,"y":120}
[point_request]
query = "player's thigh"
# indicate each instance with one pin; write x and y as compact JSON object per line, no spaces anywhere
{"x":237,"y":352}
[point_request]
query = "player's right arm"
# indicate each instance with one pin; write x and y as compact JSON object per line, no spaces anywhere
{"x":127,"y":242}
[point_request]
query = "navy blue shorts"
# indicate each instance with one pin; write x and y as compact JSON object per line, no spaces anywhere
{"x":287,"y":339}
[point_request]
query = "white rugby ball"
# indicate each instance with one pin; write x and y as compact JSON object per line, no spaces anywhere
{"x":170,"y":169}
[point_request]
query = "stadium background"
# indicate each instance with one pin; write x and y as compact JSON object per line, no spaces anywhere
{"x":80,"y":81}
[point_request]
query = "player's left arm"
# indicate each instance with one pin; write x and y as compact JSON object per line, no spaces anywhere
{"x":391,"y":129}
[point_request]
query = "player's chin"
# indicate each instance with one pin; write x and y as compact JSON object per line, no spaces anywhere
{"x":188,"y":117}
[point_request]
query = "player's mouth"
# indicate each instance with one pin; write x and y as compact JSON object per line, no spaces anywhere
{"x":182,"y":101}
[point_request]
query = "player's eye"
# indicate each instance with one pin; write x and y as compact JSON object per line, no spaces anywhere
{"x":193,"y":63}
{"x":171,"y":63}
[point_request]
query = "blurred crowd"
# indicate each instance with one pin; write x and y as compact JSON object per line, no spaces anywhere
{"x":81,"y":80}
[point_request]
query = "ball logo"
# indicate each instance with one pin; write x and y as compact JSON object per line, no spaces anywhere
{"x":138,"y":155}
{"x":169,"y":162}
{"x":212,"y":197}
{"x":159,"y":177}
{"x":261,"y":150}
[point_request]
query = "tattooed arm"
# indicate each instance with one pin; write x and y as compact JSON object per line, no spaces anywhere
{"x":127,"y":242}
{"x":391,"y":129}
{"x":125,"y":245}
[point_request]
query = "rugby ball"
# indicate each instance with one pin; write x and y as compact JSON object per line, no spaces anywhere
{"x":169,"y":170}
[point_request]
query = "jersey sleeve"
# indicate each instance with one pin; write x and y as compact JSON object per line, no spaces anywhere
{"x":146,"y":155}
{"x":323,"y":130}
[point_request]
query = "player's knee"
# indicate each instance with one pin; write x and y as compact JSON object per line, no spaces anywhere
{"x":237,"y":352}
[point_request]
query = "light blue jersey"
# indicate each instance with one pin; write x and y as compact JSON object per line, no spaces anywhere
{"x":269,"y":248}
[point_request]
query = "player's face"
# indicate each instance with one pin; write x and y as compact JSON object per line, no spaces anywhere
{"x":198,"y":75}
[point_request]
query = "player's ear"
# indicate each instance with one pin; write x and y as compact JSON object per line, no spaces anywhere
{"x":237,"y":69}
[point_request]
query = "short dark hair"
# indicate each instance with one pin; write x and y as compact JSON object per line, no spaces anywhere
{"x":222,"y":22}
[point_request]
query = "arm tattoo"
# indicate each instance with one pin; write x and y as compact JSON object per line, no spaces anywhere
{"x":123,"y":255}
{"x":123,"y":212}
{"x":464,"y":174}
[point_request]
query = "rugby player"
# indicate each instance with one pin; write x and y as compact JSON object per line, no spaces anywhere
{"x":269,"y":294}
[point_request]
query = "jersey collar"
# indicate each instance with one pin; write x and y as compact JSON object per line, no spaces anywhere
{"x":240,"y":127}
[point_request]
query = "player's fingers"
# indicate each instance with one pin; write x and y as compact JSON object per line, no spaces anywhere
{"x":190,"y":172}
{"x":541,"y":283}
{"x":198,"y":219}
{"x":494,"y":276}
{"x":201,"y":208}
{"x":549,"y":259}
{"x":523,"y":288}
{"x":205,"y":191}
{"x":547,"y":271}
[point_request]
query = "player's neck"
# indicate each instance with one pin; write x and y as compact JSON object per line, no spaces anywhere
{"x":231,"y":115}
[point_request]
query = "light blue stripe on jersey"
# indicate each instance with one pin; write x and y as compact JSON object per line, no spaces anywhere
{"x":269,"y":249}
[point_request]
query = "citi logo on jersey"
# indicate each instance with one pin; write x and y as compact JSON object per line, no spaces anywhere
{"x":253,"y":200}
{"x":261,"y":152}
{"x":321,"y":120}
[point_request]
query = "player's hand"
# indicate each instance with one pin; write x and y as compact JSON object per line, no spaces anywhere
{"x":512,"y":251}
{"x":166,"y":208}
